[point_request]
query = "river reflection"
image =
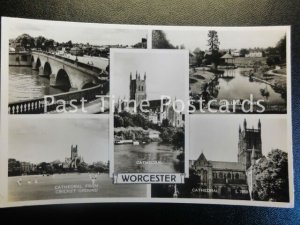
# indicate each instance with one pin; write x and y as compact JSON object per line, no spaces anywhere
{"x":239,"y":87}
{"x":25,"y":83}
{"x":132,"y":158}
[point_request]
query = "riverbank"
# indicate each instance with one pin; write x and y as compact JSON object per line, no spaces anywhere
{"x":278,"y":81}
{"x":199,"y":79}
{"x":136,"y":133}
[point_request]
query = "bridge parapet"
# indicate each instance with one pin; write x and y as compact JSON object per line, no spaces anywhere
{"x":37,"y":106}
{"x":71,"y":61}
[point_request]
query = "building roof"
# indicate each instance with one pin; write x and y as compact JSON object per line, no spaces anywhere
{"x":227,"y":165}
{"x":227,"y":56}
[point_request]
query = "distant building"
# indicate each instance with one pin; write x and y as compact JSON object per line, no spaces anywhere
{"x":27,"y":167}
{"x":74,"y":160}
{"x":236,"y":53}
{"x":254,"y":54}
{"x":76,"y":51}
{"x":153,"y":134}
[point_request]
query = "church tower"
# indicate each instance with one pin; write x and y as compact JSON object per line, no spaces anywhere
{"x":137,"y":88}
{"x":74,"y":152}
{"x":249,"y":145}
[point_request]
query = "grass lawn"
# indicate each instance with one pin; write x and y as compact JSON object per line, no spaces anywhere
{"x":38,"y":187}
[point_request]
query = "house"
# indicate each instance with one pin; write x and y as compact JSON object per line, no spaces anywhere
{"x":254,"y":54}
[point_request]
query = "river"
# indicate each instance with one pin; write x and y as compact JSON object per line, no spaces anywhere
{"x":25,"y":83}
{"x":135,"y":158}
{"x":239,"y":87}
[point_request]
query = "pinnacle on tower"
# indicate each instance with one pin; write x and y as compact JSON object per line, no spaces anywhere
{"x":259,"y":124}
{"x":245,"y":124}
{"x":130,"y":76}
{"x":239,"y":129}
{"x":145,"y":76}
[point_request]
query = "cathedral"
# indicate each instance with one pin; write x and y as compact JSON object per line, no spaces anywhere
{"x":74,"y":160}
{"x":157,"y":111}
{"x":230,"y":180}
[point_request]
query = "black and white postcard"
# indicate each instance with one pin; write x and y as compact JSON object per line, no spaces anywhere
{"x":235,"y":158}
{"x":233,"y":70}
{"x":61,"y":67}
{"x":61,"y":158}
{"x":149,"y":90}
{"x":132,"y":113}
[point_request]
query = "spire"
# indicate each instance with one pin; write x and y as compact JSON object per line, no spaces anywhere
{"x":145,"y":76}
{"x":130,"y":76}
{"x":259,"y":124}
{"x":245,"y":124}
{"x":136,"y":74}
{"x":239,"y":129}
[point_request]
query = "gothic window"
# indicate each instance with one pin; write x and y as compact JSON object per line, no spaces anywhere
{"x":205,"y":176}
{"x":221,"y":175}
{"x":237,"y":176}
{"x":229,"y":176}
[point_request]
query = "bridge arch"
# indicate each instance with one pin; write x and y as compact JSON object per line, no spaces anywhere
{"x":38,"y":63}
{"x":47,"y":69}
{"x":62,"y":80}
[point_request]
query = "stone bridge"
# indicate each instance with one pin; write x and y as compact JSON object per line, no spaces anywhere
{"x":65,"y":73}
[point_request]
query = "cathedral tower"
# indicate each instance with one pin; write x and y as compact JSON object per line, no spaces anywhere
{"x":74,"y":152}
{"x":137,"y":88}
{"x":249,"y":145}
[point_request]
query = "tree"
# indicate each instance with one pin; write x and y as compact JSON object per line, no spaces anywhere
{"x":25,"y":41}
{"x":273,"y":60}
{"x":69,"y":44}
{"x":199,"y":56}
{"x":213,"y":40}
{"x":165,"y":123}
{"x":213,"y":43}
{"x":166,"y":134}
{"x":118,"y":121}
{"x":272,"y":177}
{"x":82,"y":167}
{"x":244,"y":52}
{"x":178,"y":139}
{"x":281,"y":46}
{"x":39,"y":42}
{"x":159,"y":40}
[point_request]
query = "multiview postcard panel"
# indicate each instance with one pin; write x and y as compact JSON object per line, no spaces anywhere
{"x":236,"y":158}
{"x":149,"y":90}
{"x":61,"y":158}
{"x":233,"y":69}
{"x":61,"y":67}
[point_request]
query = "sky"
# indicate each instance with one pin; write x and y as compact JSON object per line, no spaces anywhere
{"x":166,"y":73}
{"x":229,"y":38}
{"x":76,"y":32}
{"x":45,"y":140}
{"x":217,"y":137}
